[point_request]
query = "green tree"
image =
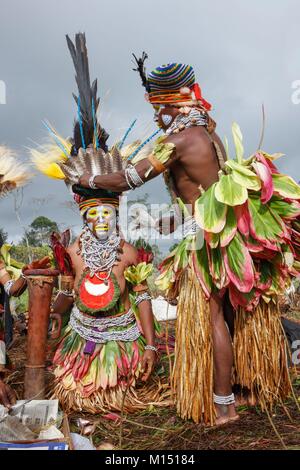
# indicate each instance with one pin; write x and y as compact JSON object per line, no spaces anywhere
{"x":20,"y":252}
{"x":40,"y":230}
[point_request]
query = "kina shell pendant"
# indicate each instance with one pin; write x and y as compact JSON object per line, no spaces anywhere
{"x":97,"y":292}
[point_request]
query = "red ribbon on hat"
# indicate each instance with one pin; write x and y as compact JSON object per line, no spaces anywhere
{"x":198,"y":95}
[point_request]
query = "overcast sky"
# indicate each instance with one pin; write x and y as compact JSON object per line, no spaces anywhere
{"x":244,"y":54}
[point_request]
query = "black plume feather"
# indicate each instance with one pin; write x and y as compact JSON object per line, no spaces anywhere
{"x":87,"y":94}
{"x":140,"y":68}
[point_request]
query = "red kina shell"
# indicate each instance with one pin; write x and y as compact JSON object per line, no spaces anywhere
{"x":96,"y":302}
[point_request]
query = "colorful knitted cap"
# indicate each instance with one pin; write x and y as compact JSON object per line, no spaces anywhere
{"x":175,"y":84}
{"x":171,"y":77}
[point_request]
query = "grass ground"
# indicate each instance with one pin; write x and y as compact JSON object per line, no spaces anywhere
{"x":160,"y":428}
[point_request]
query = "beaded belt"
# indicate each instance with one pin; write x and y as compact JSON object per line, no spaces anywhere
{"x":96,"y":329}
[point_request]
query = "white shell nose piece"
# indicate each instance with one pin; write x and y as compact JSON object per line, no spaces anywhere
{"x":166,"y":119}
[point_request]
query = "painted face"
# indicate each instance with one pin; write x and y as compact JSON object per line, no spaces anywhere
{"x":156,"y":113}
{"x":102,"y":220}
{"x":165,"y":115}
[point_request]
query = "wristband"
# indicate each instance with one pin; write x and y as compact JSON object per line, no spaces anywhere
{"x":92,"y":184}
{"x":149,"y":347}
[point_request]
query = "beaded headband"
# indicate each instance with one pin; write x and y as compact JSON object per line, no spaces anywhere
{"x":88,"y":203}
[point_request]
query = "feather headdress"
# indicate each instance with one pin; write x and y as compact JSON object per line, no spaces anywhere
{"x":13,"y":174}
{"x":87,"y":151}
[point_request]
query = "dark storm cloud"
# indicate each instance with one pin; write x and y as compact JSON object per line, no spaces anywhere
{"x":243,"y":55}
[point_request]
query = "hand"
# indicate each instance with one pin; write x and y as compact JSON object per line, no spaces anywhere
{"x":148,"y":361}
{"x":56,"y":325}
{"x":84,"y":180}
{"x":7,"y":395}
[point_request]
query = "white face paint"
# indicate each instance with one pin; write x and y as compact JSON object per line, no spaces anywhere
{"x":166,"y":119}
{"x":102,"y":220}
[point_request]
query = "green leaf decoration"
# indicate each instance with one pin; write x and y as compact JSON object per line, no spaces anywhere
{"x":182,"y":207}
{"x":210,"y":214}
{"x":213,"y":239}
{"x":181,"y":257}
{"x":163,"y":151}
{"x":262,"y":223}
{"x":230,"y":228}
{"x":238,"y":141}
{"x":229,"y":192}
{"x":201,"y":269}
{"x":286,"y":186}
{"x":139,"y":273}
{"x":243,"y":176}
{"x":239,"y":265}
{"x":217,"y":268}
{"x":226,"y":146}
{"x":283,"y":208}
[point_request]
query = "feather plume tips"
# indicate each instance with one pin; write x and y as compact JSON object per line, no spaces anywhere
{"x":13,"y":174}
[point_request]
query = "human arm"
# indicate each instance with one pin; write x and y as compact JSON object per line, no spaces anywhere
{"x":163,"y":155}
{"x":61,"y":305}
{"x":147,"y":322}
{"x":15,"y":288}
{"x":136,"y":274}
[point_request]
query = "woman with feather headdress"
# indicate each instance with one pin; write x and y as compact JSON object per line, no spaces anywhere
{"x":108,"y":344}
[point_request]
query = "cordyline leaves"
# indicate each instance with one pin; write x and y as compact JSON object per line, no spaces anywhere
{"x":263,"y":226}
{"x":217,"y":268}
{"x":139,"y":273}
{"x":239,"y":265}
{"x":212,"y":239}
{"x":264,"y":172}
{"x":285,"y":209}
{"x":229,"y":192}
{"x":243,"y":176}
{"x":251,"y":222}
{"x":201,"y":268}
{"x":210,"y":214}
{"x":238,"y":141}
{"x":286,"y":186}
{"x":243,"y":219}
{"x":230,"y":228}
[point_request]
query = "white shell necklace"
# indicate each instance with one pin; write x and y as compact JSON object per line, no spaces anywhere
{"x":98,"y":255}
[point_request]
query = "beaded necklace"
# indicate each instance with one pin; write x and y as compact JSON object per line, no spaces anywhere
{"x":99,"y":256}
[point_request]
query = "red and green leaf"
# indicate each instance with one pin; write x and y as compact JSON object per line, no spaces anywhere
{"x":243,"y":175}
{"x":210,"y":214}
{"x":285,"y":209}
{"x":264,"y":173}
{"x":286,"y":186}
{"x":239,"y":265}
{"x":201,"y":269}
{"x":263,"y":226}
{"x":243,"y":219}
{"x":230,"y":228}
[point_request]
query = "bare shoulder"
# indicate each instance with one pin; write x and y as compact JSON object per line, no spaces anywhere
{"x":189,"y":136}
{"x":130,"y":253}
{"x":72,"y":249}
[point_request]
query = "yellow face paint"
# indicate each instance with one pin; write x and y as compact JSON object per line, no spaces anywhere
{"x":101,"y":220}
